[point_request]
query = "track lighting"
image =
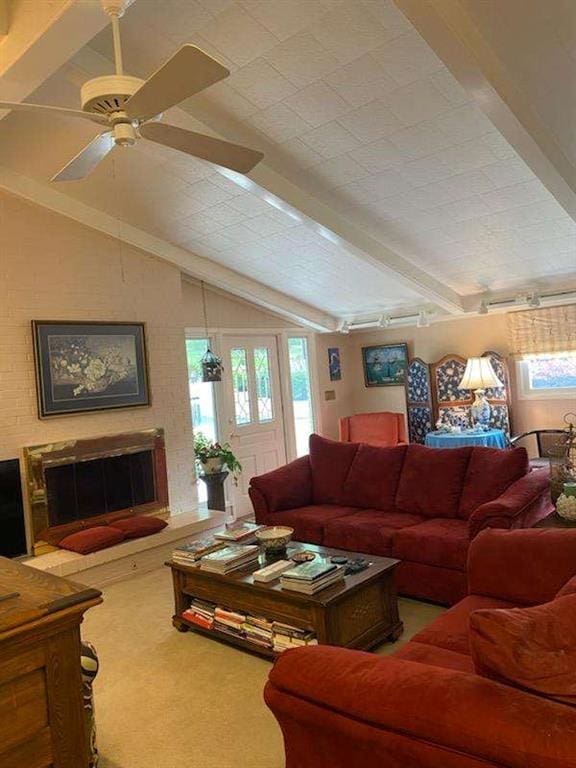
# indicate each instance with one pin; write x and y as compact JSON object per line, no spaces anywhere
{"x":384,"y":321}
{"x":345,"y":327}
{"x":423,"y":320}
{"x":534,"y":300}
{"x":483,"y":307}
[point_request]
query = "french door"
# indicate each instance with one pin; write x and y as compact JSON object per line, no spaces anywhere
{"x":253,"y":416}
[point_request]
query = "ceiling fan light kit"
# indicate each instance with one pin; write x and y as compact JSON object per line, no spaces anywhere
{"x":131,"y":108}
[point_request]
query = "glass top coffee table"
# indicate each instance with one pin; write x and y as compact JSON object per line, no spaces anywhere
{"x":359,"y":612}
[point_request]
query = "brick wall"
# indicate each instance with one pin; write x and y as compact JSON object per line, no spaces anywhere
{"x":52,"y":268}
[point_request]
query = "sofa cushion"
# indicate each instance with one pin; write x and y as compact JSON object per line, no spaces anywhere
{"x":287,"y":487}
{"x":451,"y":629}
{"x":309,"y":522}
{"x":139,"y":525}
{"x":435,"y":542}
{"x":490,"y":472}
{"x":369,"y":530}
{"x":435,"y":656}
{"x":92,"y":539}
{"x":530,"y":648}
{"x":373,"y":477}
{"x":568,"y":589}
{"x":330,"y":462}
{"x":432,"y":480}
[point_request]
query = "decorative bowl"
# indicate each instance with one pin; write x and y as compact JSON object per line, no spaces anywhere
{"x":274,"y":537}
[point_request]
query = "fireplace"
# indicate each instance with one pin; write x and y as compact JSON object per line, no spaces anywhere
{"x":77,"y":484}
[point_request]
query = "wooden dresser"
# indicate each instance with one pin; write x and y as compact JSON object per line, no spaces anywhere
{"x":41,"y":716}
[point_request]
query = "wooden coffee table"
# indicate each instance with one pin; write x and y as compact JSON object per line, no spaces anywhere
{"x":360,"y":612}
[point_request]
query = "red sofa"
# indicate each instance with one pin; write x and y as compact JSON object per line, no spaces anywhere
{"x":425,"y":707}
{"x":421,"y":505}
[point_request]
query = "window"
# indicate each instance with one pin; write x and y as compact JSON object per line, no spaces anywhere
{"x":548,"y":375}
{"x":301,"y":394}
{"x":201,"y":398}
{"x":263,"y":384}
{"x":241,"y":386}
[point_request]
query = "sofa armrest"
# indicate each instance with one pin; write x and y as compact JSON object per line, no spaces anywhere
{"x":520,"y":506}
{"x":525,"y":567}
{"x":451,"y":710}
{"x":287,"y":487}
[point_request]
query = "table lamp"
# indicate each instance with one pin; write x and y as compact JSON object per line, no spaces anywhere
{"x":479,"y":375}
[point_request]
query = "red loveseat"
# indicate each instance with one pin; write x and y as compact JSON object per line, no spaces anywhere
{"x":425,"y":706}
{"x":421,"y":505}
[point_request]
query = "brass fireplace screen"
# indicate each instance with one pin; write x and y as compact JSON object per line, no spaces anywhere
{"x":78,"y":484}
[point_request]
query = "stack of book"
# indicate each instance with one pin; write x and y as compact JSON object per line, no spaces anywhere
{"x":200,"y":613}
{"x":244,"y":533}
{"x":259,"y":631}
{"x":285,"y":637}
{"x":310,"y":578}
{"x":229,"y":622}
{"x":229,"y":559}
{"x":193,"y":551}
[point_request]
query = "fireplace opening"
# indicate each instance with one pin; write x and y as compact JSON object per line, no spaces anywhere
{"x":99,"y":486}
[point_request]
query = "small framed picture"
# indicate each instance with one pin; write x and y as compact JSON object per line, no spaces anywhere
{"x":385,"y":365}
{"x":89,"y":366}
{"x":334,"y":364}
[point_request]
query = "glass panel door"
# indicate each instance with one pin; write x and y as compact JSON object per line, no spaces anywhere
{"x":202,"y":401}
{"x":253,"y":410}
{"x":301,"y":392}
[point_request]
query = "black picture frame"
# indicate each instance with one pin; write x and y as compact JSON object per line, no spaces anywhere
{"x":334,"y":364}
{"x":385,"y":365}
{"x":88,"y":366}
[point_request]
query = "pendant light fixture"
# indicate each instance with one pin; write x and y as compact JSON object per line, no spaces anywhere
{"x":211,"y":363}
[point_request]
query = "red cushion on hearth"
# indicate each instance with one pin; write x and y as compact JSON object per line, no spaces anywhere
{"x":139,"y":525}
{"x":92,"y":539}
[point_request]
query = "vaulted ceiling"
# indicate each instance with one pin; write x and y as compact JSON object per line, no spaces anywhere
{"x":414,"y":158}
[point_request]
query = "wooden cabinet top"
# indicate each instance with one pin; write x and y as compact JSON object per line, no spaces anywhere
{"x":28,"y":595}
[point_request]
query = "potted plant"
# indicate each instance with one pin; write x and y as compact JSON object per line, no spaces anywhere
{"x":215,"y":457}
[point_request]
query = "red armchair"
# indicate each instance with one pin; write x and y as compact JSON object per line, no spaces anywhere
{"x":384,"y":429}
{"x":425,"y":707}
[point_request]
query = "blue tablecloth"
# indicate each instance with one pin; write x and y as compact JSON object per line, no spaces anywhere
{"x":494,"y":438}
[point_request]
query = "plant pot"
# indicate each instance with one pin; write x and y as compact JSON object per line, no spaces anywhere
{"x":212,"y":466}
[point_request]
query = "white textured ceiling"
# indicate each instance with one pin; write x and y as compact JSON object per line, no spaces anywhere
{"x":349,"y":103}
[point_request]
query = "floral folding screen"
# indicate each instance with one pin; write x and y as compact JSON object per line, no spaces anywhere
{"x":433,"y":394}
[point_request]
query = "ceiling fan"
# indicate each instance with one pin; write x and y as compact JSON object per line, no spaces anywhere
{"x":130,"y":108}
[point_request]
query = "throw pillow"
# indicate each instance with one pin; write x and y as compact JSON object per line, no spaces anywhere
{"x":529,"y":648}
{"x":569,"y":588}
{"x":139,"y":525}
{"x":92,"y":539}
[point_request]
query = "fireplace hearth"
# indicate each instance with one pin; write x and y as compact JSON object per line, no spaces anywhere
{"x":80,"y":483}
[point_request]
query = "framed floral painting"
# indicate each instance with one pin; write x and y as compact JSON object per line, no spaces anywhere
{"x":89,"y":366}
{"x":385,"y":365}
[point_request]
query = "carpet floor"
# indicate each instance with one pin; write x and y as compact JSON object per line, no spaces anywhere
{"x":166,"y":699}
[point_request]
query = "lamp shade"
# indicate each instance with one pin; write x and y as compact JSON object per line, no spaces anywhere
{"x":479,"y":374}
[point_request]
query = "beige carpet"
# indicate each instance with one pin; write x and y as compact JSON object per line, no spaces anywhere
{"x":167,"y":700}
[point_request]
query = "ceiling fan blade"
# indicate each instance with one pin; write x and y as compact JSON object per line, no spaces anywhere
{"x":86,"y":160}
{"x":47,"y":109}
{"x":189,"y":71}
{"x":216,"y":151}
